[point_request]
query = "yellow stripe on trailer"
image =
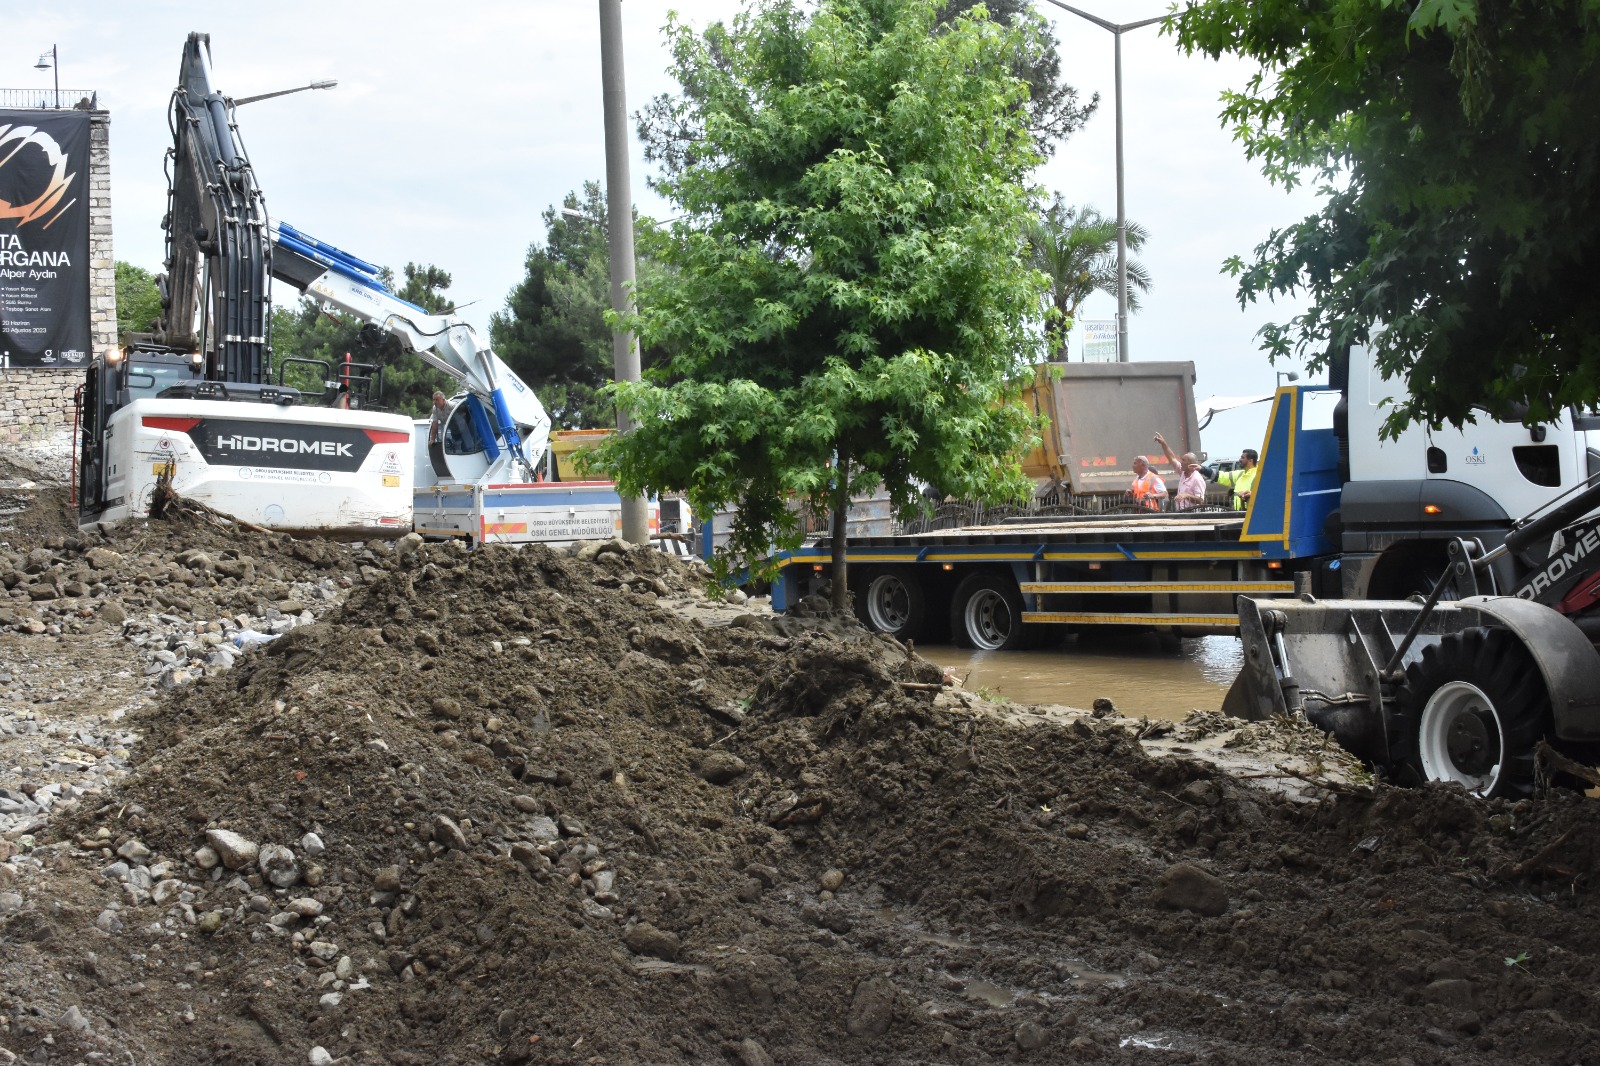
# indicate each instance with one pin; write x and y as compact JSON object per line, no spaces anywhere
{"x":1257,"y":587}
{"x":1106,"y":618}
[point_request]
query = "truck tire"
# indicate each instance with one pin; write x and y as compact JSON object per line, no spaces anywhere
{"x":1473,"y":709}
{"x":893,"y":601}
{"x":986,"y":614}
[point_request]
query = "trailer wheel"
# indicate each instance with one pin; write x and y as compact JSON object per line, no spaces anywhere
{"x":1474,"y":708}
{"x":894,"y":602}
{"x":986,"y":613}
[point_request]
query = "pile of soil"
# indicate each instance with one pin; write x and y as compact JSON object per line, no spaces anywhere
{"x":510,"y":806}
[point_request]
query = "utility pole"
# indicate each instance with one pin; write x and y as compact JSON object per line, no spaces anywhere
{"x":619,"y":230}
{"x":1122,"y":216}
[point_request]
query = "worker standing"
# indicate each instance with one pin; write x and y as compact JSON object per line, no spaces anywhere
{"x":1241,"y":480}
{"x":1191,"y":482}
{"x":1148,"y":491}
{"x":441,"y":412}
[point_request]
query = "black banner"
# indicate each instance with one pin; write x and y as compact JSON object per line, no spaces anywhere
{"x":273,"y":445}
{"x":44,"y":239}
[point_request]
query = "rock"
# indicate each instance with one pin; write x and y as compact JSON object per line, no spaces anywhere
{"x":102,"y":558}
{"x":448,"y":834}
{"x":753,"y":1054}
{"x":234,"y":850}
{"x":646,"y":939}
{"x":305,"y":907}
{"x":526,"y":804}
{"x":1031,"y":1036}
{"x":736,"y":598}
{"x":134,"y":851}
{"x":407,"y":544}
{"x":387,"y":879}
{"x":532,"y":859}
{"x":312,"y":845}
{"x":111,"y":613}
{"x":344,"y":969}
{"x":165,"y":892}
{"x":720,"y":767}
{"x":831,"y":880}
{"x":73,"y":1019}
{"x":872,"y":1009}
{"x":10,"y":902}
{"x":331,"y":1000}
{"x":1452,"y":992}
{"x":319,"y":1056}
{"x":445,"y":707}
{"x":767,"y":875}
{"x":1189,"y":888}
{"x":325,"y":950}
{"x":206,"y":857}
{"x":278,"y":865}
{"x":1146,"y":962}
{"x":209,"y":922}
{"x":108,"y":922}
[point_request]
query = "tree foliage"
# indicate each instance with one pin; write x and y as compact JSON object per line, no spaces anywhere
{"x":845,"y":300}
{"x":1453,"y":142}
{"x":1076,"y":248}
{"x":138,"y":299}
{"x":553,"y":331}
{"x":308,"y":332}
{"x":670,"y":126}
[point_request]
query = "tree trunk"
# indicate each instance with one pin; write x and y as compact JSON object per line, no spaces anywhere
{"x":841,"y":517}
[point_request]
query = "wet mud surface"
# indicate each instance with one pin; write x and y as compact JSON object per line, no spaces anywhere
{"x":533,"y":806}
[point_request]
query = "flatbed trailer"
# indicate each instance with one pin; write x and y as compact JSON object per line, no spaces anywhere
{"x":1006,"y":585}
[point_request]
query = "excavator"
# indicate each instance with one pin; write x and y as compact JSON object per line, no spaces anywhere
{"x":194,"y":404}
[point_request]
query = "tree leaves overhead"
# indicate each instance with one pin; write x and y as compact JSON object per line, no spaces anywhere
{"x":845,"y":300}
{"x":138,"y":299}
{"x":1454,"y":148}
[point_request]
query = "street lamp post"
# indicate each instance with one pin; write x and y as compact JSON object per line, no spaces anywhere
{"x":53,"y":64}
{"x":1117,"y":31}
{"x":326,"y":83}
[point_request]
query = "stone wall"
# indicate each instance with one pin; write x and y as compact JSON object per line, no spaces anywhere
{"x":36,"y":405}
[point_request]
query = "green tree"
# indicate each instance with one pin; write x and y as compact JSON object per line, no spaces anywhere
{"x":1076,"y":248}
{"x":845,"y":301}
{"x":1454,"y":146}
{"x":553,"y":330}
{"x":306,"y":331}
{"x":1054,"y":112}
{"x":138,"y":299}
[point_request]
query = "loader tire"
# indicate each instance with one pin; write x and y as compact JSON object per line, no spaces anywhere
{"x":1473,"y":709}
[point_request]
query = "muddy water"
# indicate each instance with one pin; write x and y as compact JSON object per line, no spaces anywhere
{"x":1139,"y":673}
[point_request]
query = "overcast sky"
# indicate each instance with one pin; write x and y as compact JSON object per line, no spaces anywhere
{"x":454,"y":125}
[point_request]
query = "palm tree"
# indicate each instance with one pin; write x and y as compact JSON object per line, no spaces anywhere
{"x":1076,"y":247}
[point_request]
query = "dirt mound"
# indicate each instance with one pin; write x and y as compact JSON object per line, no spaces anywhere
{"x":506,"y":806}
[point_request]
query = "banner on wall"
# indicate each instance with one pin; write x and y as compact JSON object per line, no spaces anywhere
{"x":44,"y":239}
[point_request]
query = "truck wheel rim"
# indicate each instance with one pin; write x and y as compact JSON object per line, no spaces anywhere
{"x":1459,"y":738}
{"x":888,"y":604}
{"x":988,"y":620}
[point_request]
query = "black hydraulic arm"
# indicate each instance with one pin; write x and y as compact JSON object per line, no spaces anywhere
{"x":215,"y":296}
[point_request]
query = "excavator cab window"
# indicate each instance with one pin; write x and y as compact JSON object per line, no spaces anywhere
{"x":460,"y":435}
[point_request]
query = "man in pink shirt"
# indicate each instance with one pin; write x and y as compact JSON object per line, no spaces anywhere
{"x":1191,"y":483}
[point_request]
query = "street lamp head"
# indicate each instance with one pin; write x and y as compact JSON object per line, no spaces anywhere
{"x":44,"y":62}
{"x":1293,"y":375}
{"x":325,"y":83}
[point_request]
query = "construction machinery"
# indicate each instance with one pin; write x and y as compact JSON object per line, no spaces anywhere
{"x":194,"y":403}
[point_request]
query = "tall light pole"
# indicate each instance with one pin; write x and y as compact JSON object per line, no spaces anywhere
{"x":53,"y":64}
{"x":619,"y":236}
{"x":1117,"y":31}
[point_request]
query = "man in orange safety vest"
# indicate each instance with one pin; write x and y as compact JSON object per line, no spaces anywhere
{"x":1148,"y":491}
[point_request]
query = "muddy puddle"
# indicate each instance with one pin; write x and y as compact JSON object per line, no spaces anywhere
{"x":1140,"y":674}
